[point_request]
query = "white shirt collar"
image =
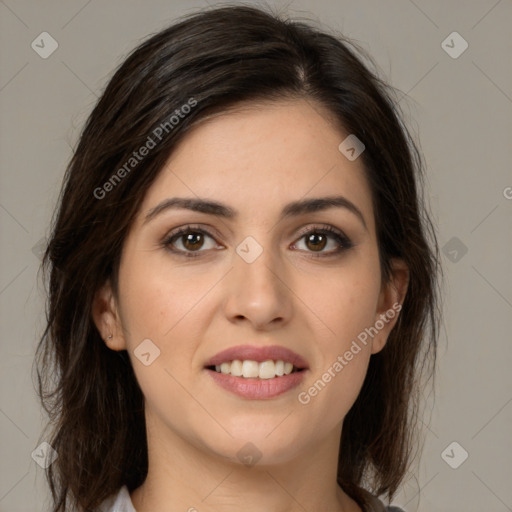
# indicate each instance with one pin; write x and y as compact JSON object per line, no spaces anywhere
{"x":120,"y":502}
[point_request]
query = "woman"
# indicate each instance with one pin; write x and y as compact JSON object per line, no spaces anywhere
{"x":243,"y":278}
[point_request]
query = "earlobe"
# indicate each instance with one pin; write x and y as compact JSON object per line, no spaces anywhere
{"x":390,"y":303}
{"x":106,"y":318}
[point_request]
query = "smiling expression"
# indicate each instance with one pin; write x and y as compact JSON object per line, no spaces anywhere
{"x":258,"y":232}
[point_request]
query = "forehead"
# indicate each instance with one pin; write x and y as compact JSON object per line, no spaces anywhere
{"x":259,"y":156}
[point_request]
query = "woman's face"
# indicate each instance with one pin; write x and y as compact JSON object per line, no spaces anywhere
{"x":255,"y":278}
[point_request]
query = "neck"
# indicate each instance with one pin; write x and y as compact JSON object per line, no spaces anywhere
{"x":188,"y":477}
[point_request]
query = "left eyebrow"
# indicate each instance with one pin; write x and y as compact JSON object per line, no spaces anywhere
{"x":293,"y":209}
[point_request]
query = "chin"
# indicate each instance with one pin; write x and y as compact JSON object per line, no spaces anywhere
{"x":256,"y":445}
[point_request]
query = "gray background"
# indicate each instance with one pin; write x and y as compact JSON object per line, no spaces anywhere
{"x":459,"y":108}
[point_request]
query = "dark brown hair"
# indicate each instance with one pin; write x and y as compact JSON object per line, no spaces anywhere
{"x":213,"y":60}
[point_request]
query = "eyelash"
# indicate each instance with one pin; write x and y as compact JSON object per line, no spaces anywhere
{"x":344,"y":242}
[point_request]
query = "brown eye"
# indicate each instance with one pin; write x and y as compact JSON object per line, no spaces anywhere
{"x":316,"y":241}
{"x":193,"y":241}
{"x":187,"y":241}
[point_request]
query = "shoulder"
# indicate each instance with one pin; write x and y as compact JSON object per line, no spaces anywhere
{"x":374,"y":504}
{"x":118,"y":502}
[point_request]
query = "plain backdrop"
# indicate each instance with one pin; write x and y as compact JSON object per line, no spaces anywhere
{"x":459,"y":105}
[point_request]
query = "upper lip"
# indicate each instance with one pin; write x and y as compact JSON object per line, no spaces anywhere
{"x":258,"y":354}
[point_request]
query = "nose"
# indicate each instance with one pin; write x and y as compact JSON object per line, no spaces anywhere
{"x":259,"y":292}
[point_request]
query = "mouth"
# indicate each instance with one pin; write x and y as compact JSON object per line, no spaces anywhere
{"x":250,"y":369}
{"x":257,"y":372}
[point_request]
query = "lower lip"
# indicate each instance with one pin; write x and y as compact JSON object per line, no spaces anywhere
{"x":257,"y":389}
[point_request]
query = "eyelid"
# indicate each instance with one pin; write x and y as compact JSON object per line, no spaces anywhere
{"x":201,"y":228}
{"x":319,"y":227}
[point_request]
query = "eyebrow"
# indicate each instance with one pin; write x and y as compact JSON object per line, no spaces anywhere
{"x":293,"y":209}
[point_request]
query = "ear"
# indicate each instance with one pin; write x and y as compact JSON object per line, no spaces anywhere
{"x":390,"y":302}
{"x":106,"y":318}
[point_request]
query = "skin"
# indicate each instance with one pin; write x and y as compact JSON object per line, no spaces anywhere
{"x":255,"y":158}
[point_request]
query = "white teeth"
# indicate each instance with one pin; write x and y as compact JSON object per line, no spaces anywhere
{"x":252,"y":369}
{"x":267,"y":370}
{"x":236,"y":368}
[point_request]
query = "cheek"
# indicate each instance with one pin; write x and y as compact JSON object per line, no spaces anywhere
{"x":338,"y":376}
{"x":147,"y":308}
{"x":168,"y":309}
{"x":158,"y":307}
{"x":345,"y":303}
{"x":154,"y":300}
{"x":338,"y":387}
